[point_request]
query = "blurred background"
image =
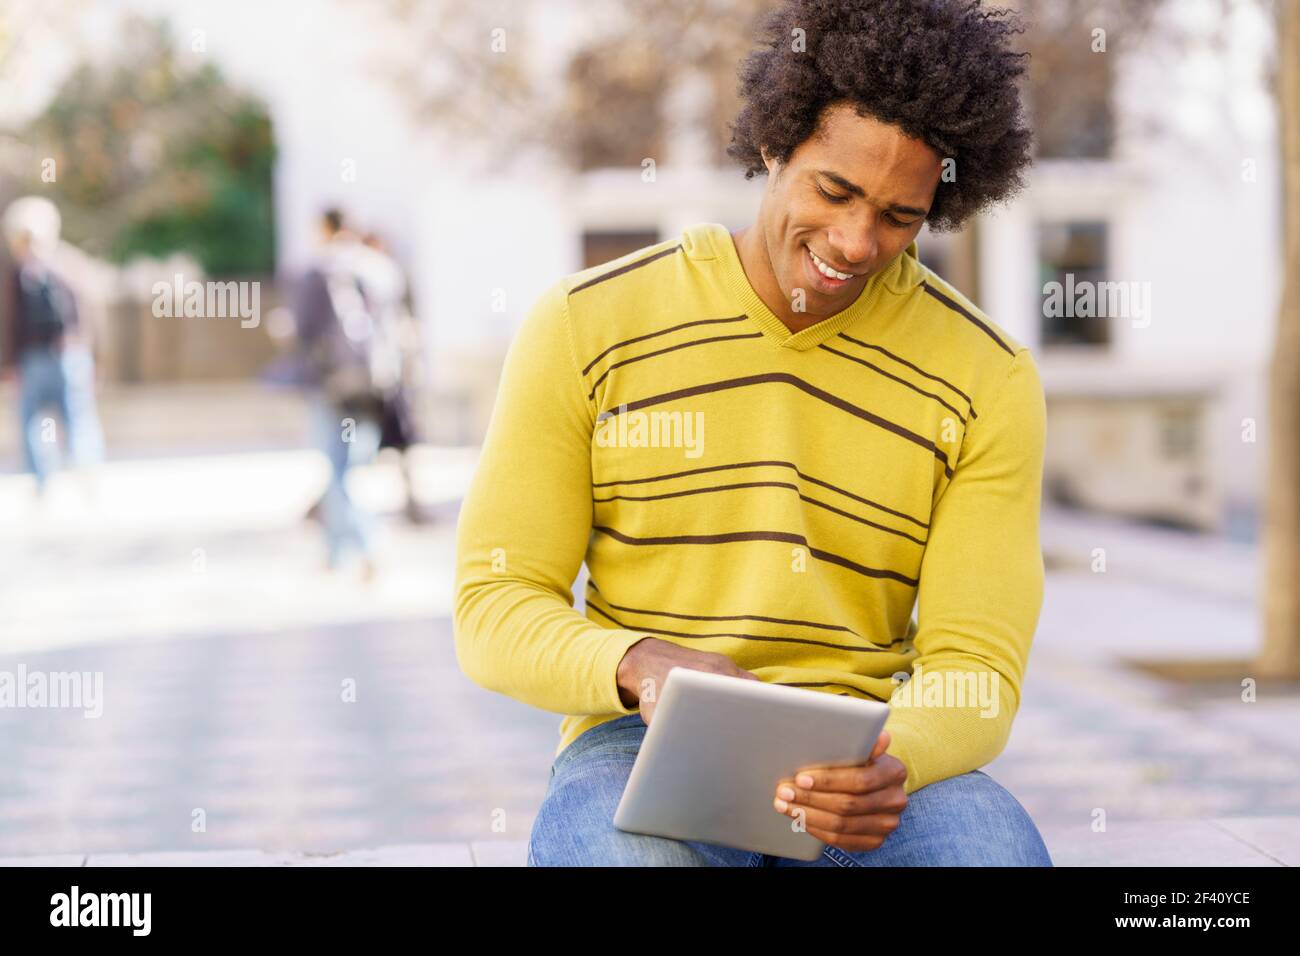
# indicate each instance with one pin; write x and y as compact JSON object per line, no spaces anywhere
{"x":255,"y":696}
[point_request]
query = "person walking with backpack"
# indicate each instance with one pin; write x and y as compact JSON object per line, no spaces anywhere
{"x":48,"y":341}
{"x":346,"y":365}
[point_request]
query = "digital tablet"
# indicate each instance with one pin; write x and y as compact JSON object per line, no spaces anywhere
{"x":716,"y":747}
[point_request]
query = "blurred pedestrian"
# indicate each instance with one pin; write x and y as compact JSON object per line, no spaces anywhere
{"x":49,"y":340}
{"x":348,"y":366}
{"x":386,"y":285}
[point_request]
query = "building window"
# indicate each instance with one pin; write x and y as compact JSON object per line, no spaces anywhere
{"x":1178,"y":432}
{"x":601,"y":247}
{"x":1071,"y":271}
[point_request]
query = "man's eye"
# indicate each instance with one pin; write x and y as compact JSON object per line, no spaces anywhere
{"x":832,"y":197}
{"x":895,"y":221}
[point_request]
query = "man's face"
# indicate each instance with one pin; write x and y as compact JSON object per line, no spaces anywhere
{"x":854,"y":195}
{"x":20,"y":246}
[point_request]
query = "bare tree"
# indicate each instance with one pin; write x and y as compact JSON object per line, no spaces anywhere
{"x":1072,"y":118}
{"x":472,"y":71}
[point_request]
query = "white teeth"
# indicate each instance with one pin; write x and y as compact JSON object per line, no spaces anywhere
{"x":826,"y":270}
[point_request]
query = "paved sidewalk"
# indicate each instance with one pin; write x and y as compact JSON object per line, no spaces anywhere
{"x":1176,"y":558}
{"x":171,"y":548}
{"x":261,"y":703}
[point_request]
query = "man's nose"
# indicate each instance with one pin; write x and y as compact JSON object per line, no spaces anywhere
{"x":855,"y":242}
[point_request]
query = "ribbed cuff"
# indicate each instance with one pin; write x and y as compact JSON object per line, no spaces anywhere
{"x":904,"y":733}
{"x":617,"y":642}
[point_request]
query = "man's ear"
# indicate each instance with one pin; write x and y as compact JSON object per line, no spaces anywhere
{"x":768,"y":161}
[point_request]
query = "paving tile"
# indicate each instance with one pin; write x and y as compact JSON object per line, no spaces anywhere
{"x":1277,"y":837}
{"x":1150,"y":843}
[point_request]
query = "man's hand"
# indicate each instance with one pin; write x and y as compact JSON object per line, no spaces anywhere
{"x":852,"y":808}
{"x":644,"y":670}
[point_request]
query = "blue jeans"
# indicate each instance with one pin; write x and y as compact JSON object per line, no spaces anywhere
{"x":969,"y":820}
{"x":61,"y":381}
{"x":346,"y":438}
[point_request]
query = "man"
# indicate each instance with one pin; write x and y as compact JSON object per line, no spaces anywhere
{"x":49,"y":340}
{"x":343,"y":359}
{"x":873,"y":444}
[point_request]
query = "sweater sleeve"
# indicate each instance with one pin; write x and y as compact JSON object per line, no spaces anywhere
{"x":523,"y":534}
{"x":980,"y":592}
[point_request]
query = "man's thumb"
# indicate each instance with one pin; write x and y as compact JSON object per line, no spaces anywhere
{"x":882,"y":744}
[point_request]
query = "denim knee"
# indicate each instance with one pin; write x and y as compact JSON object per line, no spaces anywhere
{"x":1001,"y":832}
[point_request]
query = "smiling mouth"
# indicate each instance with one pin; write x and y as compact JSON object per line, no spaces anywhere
{"x":822,"y":267}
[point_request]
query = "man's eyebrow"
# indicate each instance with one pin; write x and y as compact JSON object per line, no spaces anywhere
{"x":857,"y":190}
{"x":843,"y":183}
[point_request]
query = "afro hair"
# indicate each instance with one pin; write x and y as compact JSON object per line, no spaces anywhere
{"x":943,"y":71}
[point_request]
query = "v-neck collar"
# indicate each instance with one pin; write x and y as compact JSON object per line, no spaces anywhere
{"x":767,"y":321}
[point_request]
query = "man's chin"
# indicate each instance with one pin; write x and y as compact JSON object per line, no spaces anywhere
{"x":824,"y":304}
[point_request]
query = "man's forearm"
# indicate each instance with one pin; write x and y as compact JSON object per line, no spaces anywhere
{"x":522,"y":640}
{"x":934,"y":737}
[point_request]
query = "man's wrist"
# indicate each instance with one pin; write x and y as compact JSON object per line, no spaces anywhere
{"x":627,"y":679}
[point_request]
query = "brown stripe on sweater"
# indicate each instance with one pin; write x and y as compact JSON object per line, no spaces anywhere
{"x":832,"y":683}
{"x":651,"y":335}
{"x":902,"y":381}
{"x":733,"y":536}
{"x":621,"y":270}
{"x":739,"y":617}
{"x":762,"y":484}
{"x":762,"y":464}
{"x":671,"y":348}
{"x":956,"y":307}
{"x":915,"y":368}
{"x":787,"y":379}
{"x":761,"y":638}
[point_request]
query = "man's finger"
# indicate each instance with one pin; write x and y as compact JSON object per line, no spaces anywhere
{"x":845,"y":804}
{"x":882,"y":744}
{"x":869,"y":824}
{"x":849,"y":844}
{"x":878,"y":750}
{"x":859,"y":778}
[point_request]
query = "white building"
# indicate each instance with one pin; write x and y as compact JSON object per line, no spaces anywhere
{"x":1153,"y":409}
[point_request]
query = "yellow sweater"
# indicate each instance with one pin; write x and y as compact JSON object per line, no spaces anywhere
{"x":784,"y":499}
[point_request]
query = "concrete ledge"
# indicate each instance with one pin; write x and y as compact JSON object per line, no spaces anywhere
{"x":487,"y":853}
{"x":1225,"y":841}
{"x":426,"y":854}
{"x":65,"y":859}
